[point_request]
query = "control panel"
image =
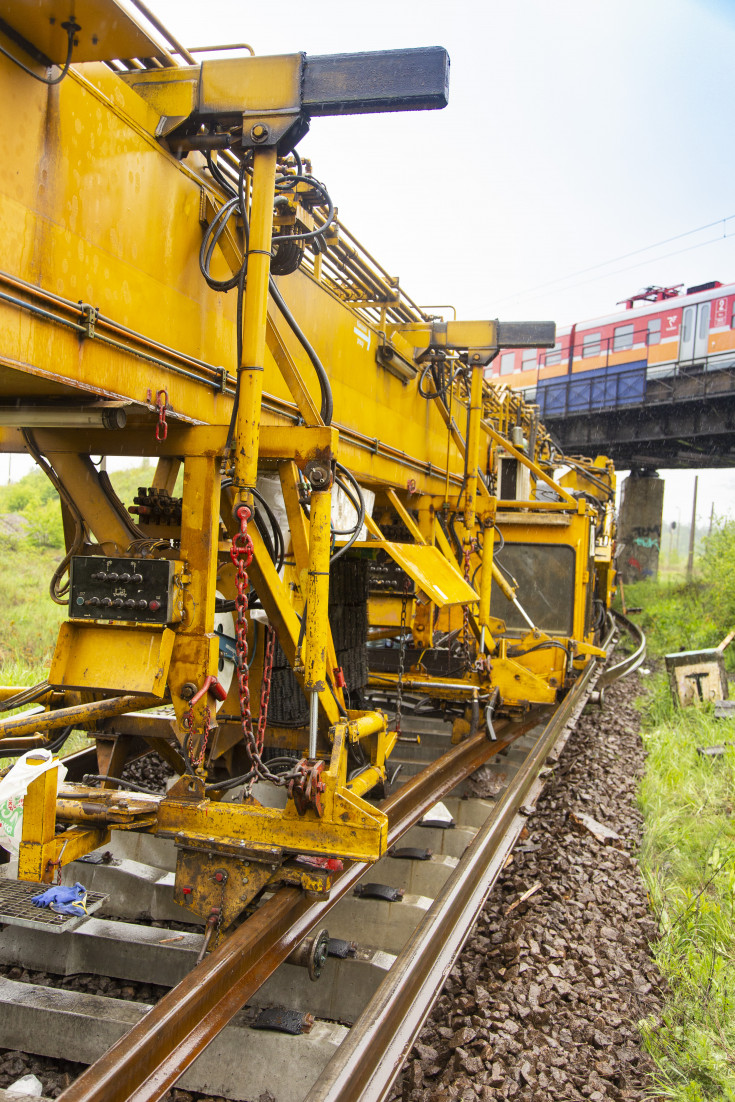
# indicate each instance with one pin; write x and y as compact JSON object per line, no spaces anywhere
{"x":142,"y":591}
{"x":386,"y":576}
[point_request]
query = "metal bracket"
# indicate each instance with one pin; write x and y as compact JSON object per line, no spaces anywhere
{"x":379,"y":891}
{"x":411,"y":853}
{"x":282,"y":1020}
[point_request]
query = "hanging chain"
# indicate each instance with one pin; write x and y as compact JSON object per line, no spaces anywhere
{"x":402,"y":656}
{"x":265,"y":686}
{"x":161,"y":406}
{"x":241,"y":553}
{"x":466,"y":656}
{"x":188,"y":722}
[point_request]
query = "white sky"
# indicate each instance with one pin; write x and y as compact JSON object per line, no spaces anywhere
{"x":577,"y":132}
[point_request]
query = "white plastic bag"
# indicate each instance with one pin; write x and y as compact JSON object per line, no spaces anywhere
{"x":13,"y":788}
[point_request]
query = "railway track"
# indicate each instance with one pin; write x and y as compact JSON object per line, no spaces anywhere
{"x":390,"y":947}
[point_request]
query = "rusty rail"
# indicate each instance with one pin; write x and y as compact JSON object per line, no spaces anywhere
{"x":149,"y":1059}
{"x":369,"y":1059}
{"x":632,"y":661}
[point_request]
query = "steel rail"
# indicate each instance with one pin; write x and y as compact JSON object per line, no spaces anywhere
{"x":633,"y":661}
{"x":369,"y":1059}
{"x":151,"y":1057}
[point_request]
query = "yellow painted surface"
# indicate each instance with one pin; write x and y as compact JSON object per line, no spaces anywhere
{"x":102,"y":657}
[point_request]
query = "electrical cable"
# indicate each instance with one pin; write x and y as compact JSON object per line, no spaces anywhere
{"x":116,"y":503}
{"x":58,"y":593}
{"x":286,"y":183}
{"x":120,"y":783}
{"x":327,"y":402}
{"x":71,"y":29}
{"x":361,"y":515}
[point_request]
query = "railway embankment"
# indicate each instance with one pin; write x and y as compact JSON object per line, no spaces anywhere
{"x":546,"y":1000}
{"x":603,"y":966}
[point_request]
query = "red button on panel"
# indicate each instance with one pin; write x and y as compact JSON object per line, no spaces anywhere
{"x":154,"y":605}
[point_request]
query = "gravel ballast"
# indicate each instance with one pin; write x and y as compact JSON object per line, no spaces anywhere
{"x":544,"y":1000}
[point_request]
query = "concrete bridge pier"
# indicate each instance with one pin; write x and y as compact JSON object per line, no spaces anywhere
{"x":639,"y":525}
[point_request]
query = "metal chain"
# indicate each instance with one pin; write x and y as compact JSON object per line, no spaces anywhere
{"x":162,"y":407}
{"x":241,"y":553}
{"x":466,"y":656}
{"x":402,"y":656}
{"x":188,"y":722}
{"x":265,"y":686}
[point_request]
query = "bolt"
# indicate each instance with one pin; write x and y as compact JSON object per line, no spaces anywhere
{"x":187,"y":690}
{"x":318,"y":476}
{"x":259,"y":132}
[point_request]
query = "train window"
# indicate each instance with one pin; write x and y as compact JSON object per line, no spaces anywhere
{"x":732,"y":317}
{"x":623,"y":338}
{"x":591,"y":344}
{"x":545,"y":576}
{"x":530,"y":356}
{"x":553,"y":356}
{"x":653,"y":333}
{"x":507,"y":363}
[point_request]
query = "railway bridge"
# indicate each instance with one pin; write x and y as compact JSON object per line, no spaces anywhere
{"x":685,"y":419}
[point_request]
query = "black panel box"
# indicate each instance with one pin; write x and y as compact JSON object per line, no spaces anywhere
{"x":139,"y":591}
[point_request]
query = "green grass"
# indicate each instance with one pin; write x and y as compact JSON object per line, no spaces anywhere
{"x":688,"y":861}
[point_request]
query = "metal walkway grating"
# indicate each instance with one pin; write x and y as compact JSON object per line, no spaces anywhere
{"x":16,"y":908}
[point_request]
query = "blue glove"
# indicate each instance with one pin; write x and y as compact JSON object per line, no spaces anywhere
{"x":63,"y":900}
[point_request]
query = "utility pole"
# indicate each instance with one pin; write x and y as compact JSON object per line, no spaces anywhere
{"x":693,"y":531}
{"x":711,"y":518}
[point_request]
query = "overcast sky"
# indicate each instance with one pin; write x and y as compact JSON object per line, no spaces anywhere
{"x":577,"y":132}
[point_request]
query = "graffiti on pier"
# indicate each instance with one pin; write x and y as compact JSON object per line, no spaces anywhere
{"x":648,"y":537}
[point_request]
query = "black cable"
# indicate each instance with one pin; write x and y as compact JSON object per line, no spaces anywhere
{"x":220,"y":177}
{"x":353,"y":502}
{"x":71,"y":29}
{"x":327,"y":403}
{"x":515,"y":652}
{"x":286,"y":183}
{"x":59,"y":741}
{"x":361,"y":516}
{"x":120,"y":783}
{"x":109,"y":492}
{"x":58,"y":593}
{"x":25,"y":696}
{"x":278,"y":538}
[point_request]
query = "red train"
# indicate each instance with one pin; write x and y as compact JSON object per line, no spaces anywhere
{"x":605,"y":362}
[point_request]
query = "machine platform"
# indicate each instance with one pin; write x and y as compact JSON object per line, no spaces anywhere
{"x":16,"y":908}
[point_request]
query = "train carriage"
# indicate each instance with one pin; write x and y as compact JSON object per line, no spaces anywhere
{"x":607,"y":361}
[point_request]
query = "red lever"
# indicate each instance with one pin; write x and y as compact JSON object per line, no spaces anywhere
{"x":211,"y":685}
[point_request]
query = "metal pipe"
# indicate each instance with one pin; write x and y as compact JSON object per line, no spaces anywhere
{"x":252,"y":368}
{"x":78,"y":715}
{"x":107,"y":415}
{"x":524,"y":614}
{"x":317,"y":591}
{"x":313,"y":722}
{"x":472,"y":453}
{"x":162,"y":29}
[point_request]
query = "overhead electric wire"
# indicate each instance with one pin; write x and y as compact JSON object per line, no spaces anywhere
{"x":625,"y":256}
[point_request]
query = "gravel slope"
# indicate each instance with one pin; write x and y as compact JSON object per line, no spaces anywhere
{"x":544,"y":1000}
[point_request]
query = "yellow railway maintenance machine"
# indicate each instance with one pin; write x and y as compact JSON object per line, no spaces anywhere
{"x":342,"y":509}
